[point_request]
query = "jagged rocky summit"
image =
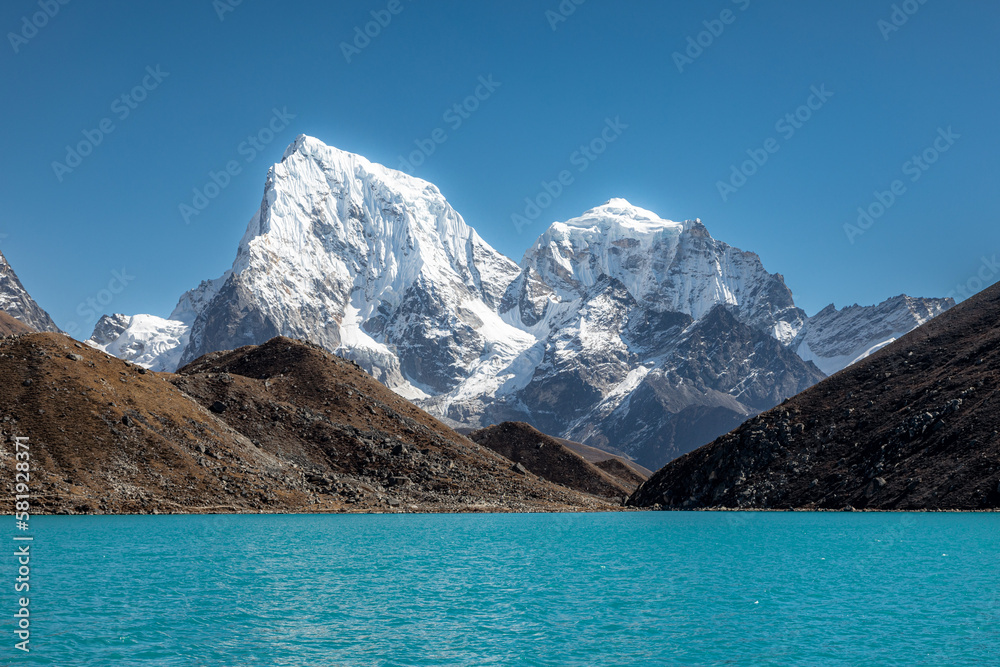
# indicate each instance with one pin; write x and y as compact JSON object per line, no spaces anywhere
{"x":16,"y":302}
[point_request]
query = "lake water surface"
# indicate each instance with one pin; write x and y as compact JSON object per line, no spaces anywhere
{"x":652,"y":588}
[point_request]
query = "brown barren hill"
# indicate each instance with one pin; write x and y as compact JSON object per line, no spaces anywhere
{"x":106,"y":436}
{"x":11,"y":326}
{"x":608,"y":461}
{"x":623,"y":471}
{"x":359,"y":443}
{"x":547,"y":457}
{"x":913,"y":427}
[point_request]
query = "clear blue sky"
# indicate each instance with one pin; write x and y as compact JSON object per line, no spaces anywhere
{"x":119,"y":208}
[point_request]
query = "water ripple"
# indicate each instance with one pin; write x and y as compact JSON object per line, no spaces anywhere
{"x":545,"y":590}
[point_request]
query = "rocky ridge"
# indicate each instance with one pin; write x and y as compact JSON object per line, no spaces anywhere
{"x":16,"y":302}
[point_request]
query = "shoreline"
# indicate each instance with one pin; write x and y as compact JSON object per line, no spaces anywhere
{"x":621,"y":510}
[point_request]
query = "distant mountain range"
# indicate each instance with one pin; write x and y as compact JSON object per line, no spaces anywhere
{"x":618,"y":329}
{"x":912,"y":427}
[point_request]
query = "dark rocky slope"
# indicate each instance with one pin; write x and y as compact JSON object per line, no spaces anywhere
{"x":284,"y":427}
{"x":355,"y":438}
{"x":915,"y":426}
{"x":533,"y":451}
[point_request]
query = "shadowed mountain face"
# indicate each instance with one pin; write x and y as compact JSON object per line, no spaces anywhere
{"x":550,"y":459}
{"x":914,"y":426}
{"x":16,"y":302}
{"x":284,"y":427}
{"x":719,"y":372}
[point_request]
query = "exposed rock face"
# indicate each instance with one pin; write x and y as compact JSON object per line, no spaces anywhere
{"x":108,"y":329}
{"x":719,"y":372}
{"x":619,"y":328}
{"x":666,"y":266}
{"x":284,"y":427}
{"x":365,"y":261}
{"x":655,"y":338}
{"x":636,"y":320}
{"x":369,"y":262}
{"x":913,"y":426}
{"x":834,"y":339}
{"x":16,"y":302}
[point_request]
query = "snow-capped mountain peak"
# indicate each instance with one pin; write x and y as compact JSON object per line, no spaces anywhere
{"x":620,"y":214}
{"x":667,"y":266}
{"x":367,"y":261}
{"x":619,"y":326}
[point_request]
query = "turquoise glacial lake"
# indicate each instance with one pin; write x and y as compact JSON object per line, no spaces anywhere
{"x":589,"y":589}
